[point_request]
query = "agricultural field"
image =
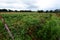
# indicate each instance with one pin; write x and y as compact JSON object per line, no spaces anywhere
{"x":30,"y":26}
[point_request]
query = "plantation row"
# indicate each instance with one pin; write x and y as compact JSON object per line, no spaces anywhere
{"x":33,"y":26}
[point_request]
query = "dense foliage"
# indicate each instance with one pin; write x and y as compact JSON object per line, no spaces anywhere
{"x":32,"y":26}
{"x":39,"y":11}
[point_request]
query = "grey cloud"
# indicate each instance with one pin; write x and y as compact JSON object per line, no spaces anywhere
{"x":26,"y":4}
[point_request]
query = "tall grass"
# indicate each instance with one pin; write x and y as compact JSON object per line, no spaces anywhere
{"x":32,"y":26}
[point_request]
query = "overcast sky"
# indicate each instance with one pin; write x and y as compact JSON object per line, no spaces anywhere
{"x":30,"y":4}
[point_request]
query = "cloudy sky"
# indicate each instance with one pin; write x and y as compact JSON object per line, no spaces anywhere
{"x":30,"y":4}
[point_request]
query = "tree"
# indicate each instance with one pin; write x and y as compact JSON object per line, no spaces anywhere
{"x":10,"y":10}
{"x":57,"y":11}
{"x":46,"y":11}
{"x":16,"y":10}
{"x":25,"y":11}
{"x":40,"y":11}
{"x":3,"y":10}
{"x":51,"y":11}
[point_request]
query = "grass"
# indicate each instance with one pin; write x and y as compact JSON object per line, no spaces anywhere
{"x":31,"y":26}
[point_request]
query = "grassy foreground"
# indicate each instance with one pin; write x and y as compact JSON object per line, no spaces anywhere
{"x":31,"y":26}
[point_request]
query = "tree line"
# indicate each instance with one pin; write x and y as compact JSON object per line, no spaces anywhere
{"x":49,"y":11}
{"x":39,"y":11}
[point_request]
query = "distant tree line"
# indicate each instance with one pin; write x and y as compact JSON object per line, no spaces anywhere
{"x":39,"y":11}
{"x":5,"y":10}
{"x":49,"y":11}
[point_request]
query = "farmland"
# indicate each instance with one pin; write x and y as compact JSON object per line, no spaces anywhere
{"x":30,"y":26}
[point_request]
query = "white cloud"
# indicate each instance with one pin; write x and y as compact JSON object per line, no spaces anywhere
{"x":30,"y":4}
{"x":45,"y":4}
{"x":12,"y":4}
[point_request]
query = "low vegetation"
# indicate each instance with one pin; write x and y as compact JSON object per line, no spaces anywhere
{"x":31,"y":26}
